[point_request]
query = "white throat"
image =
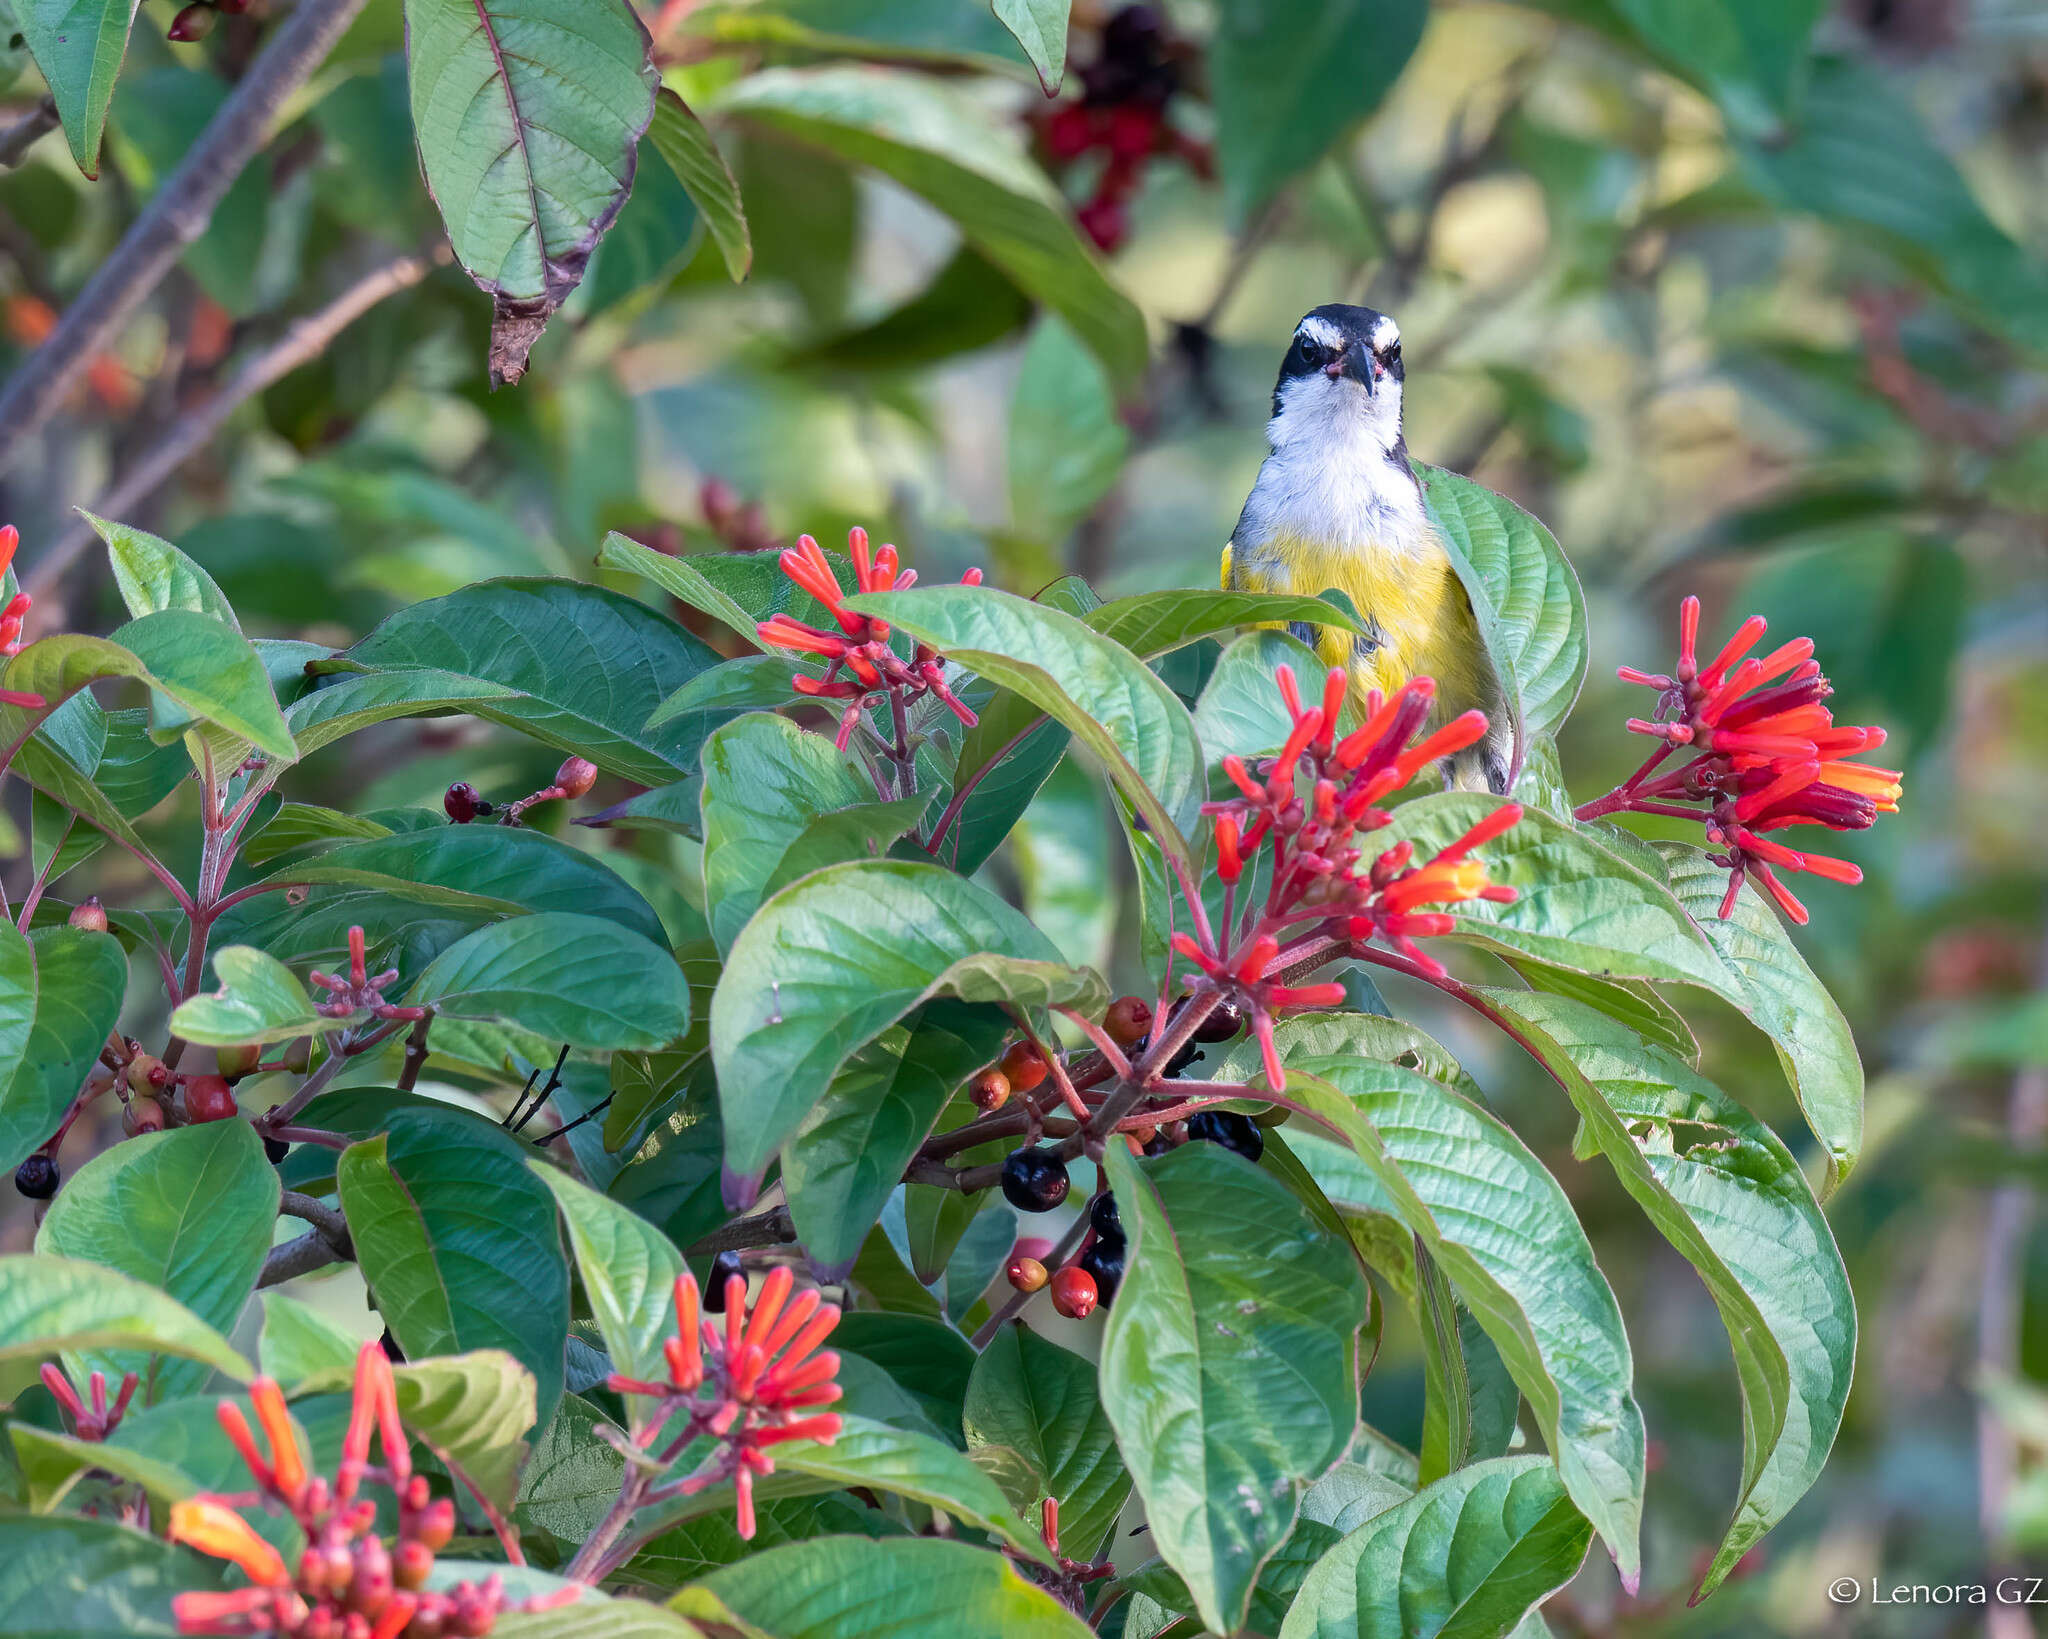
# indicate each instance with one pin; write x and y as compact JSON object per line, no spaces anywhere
{"x":1337,"y":475}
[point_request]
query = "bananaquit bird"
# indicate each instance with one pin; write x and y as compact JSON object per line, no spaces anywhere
{"x":1337,"y":505}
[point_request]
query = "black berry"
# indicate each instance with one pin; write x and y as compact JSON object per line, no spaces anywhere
{"x":1231,"y":1130}
{"x":1187,"y":1055}
{"x":461,"y":802}
{"x":38,"y":1177}
{"x":1034,"y":1180}
{"x":277,"y":1149}
{"x":1226,"y":1021}
{"x":1160,"y":1145}
{"x":723,"y":1268}
{"x":1105,"y":1262}
{"x":1104,"y":1218}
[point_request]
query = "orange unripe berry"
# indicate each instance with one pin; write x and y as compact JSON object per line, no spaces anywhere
{"x":1026,"y":1274}
{"x":1074,"y":1293}
{"x":142,"y":1115}
{"x":147,"y":1074}
{"x":990,"y":1090}
{"x":210,"y":1098}
{"x":412,"y":1564}
{"x":91,"y":915}
{"x":236,"y":1062}
{"x":576,"y":776}
{"x":1025,"y":1065}
{"x":1128,"y":1018}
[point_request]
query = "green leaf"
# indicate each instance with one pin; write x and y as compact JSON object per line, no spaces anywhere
{"x":1041,"y":29}
{"x":1150,"y":624}
{"x":66,"y":1578}
{"x":299,"y":1342}
{"x":1773,"y":985}
{"x":680,"y":578}
{"x":188,"y":1211}
{"x":1229,"y":1367}
{"x":1290,"y":77}
{"x":928,"y":1359}
{"x":1063,"y":849}
{"x":259,"y":1000}
{"x":473,"y":1410}
{"x":570,"y":978}
{"x":849,"y":1151}
{"x":52,"y":1305}
{"x":628,"y":1268}
{"x":529,"y":123}
{"x":834,"y":1587}
{"x":595,"y":1617}
{"x":575,"y":666}
{"x":779,"y":802}
{"x":1750,"y":56}
{"x":1036,"y":1424}
{"x":1469,"y":1556}
{"x":1446,"y":1390}
{"x":830,"y":962}
{"x":1633,"y":1002}
{"x":1580,"y":905}
{"x":1240,"y":712}
{"x":1524,"y":595}
{"x":921,"y":134}
{"x":1066,"y":444}
{"x":1729,"y":1196}
{"x":681,"y":139}
{"x":213,"y":672}
{"x":75,"y":981}
{"x":1501,"y":1227}
{"x":78,"y":46}
{"x":298,"y":824}
{"x":457,"y":1241}
{"x":1309,"y":1036}
{"x":1095,"y":688}
{"x":152,"y":574}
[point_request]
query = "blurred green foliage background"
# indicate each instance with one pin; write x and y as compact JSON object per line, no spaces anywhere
{"x":1743,"y":297}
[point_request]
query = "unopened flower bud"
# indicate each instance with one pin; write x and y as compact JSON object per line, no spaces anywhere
{"x":436,"y":1525}
{"x":412,"y":1565}
{"x":575,"y":777}
{"x":195,"y":22}
{"x":91,"y":915}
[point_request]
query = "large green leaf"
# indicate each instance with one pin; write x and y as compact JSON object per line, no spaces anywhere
{"x":1290,"y":77}
{"x":578,"y":979}
{"x":1240,"y":712}
{"x":189,"y":1211}
{"x":1750,"y":56}
{"x":1066,"y":444}
{"x":212,"y":672}
{"x":529,"y":120}
{"x":1229,"y":1367}
{"x":628,"y":1268}
{"x":836,"y":1587}
{"x":51,"y":1305}
{"x":67,"y":1578}
{"x":78,"y":46}
{"x":779,"y":802}
{"x":1580,"y":905}
{"x":1729,"y":1196}
{"x":1524,"y":595}
{"x":1090,"y":685}
{"x":849,"y":1151}
{"x":1504,"y":1233}
{"x":1041,"y":29}
{"x":74,"y":980}
{"x":595,"y":1617}
{"x":830,"y":962}
{"x":1469,"y":1556}
{"x":1037,"y":1425}
{"x":681,"y":139}
{"x":1774,"y":986}
{"x":259,"y":1000}
{"x":152,"y":574}
{"x":457,"y":1241}
{"x":1150,"y":624}
{"x":573,"y":665}
{"x":916,"y":131}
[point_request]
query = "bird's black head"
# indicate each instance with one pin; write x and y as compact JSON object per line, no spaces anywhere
{"x":1339,"y":343}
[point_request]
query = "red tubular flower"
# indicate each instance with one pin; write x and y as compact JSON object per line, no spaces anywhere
{"x":1766,"y":755}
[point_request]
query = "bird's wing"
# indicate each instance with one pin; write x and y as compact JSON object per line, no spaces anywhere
{"x":1226,"y":566}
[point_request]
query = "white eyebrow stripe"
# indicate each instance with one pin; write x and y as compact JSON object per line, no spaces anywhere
{"x":1320,"y":331}
{"x":1385,"y":334}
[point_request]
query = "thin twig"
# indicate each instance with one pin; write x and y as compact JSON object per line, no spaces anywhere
{"x":178,"y":215}
{"x":415,"y":1053}
{"x":26,"y":132}
{"x":194,"y":428}
{"x":324,"y":1218}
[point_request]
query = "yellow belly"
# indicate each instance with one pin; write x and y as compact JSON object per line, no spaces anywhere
{"x":1424,"y":619}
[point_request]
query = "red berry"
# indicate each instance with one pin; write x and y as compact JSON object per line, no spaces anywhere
{"x":1105,"y":221}
{"x":1133,"y":131}
{"x":237,"y":1062}
{"x":1068,"y":132}
{"x":460,"y":800}
{"x":1073,"y":1292}
{"x":1128,"y":1018}
{"x":91,"y":915}
{"x":210,"y":1098}
{"x":142,"y":1115}
{"x":1025,"y":1065}
{"x":575,"y":776}
{"x":1026,"y":1274}
{"x":195,"y":22}
{"x":990,"y":1090}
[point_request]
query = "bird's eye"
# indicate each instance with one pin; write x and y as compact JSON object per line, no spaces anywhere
{"x":1311,"y":352}
{"x":1393,"y":353}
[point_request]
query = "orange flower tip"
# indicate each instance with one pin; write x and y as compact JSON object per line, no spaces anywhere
{"x":214,"y":1528}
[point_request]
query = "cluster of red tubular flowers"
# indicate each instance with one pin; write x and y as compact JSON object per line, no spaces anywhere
{"x":752,"y":1383}
{"x":859,"y":661}
{"x":1766,"y":755}
{"x":1307,"y":809}
{"x":11,"y":617}
{"x":99,"y":1419}
{"x":361,"y":989}
{"x":349,"y":1583}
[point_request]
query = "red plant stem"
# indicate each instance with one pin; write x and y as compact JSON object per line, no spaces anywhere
{"x":1112,"y":1054}
{"x":959,"y":801}
{"x":1619,"y":798}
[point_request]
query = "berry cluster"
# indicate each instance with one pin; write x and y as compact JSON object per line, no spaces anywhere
{"x":361,"y":990}
{"x":349,"y":1583}
{"x":859,"y":661}
{"x":1121,"y":116}
{"x":750,"y":1385}
{"x":1766,"y":755}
